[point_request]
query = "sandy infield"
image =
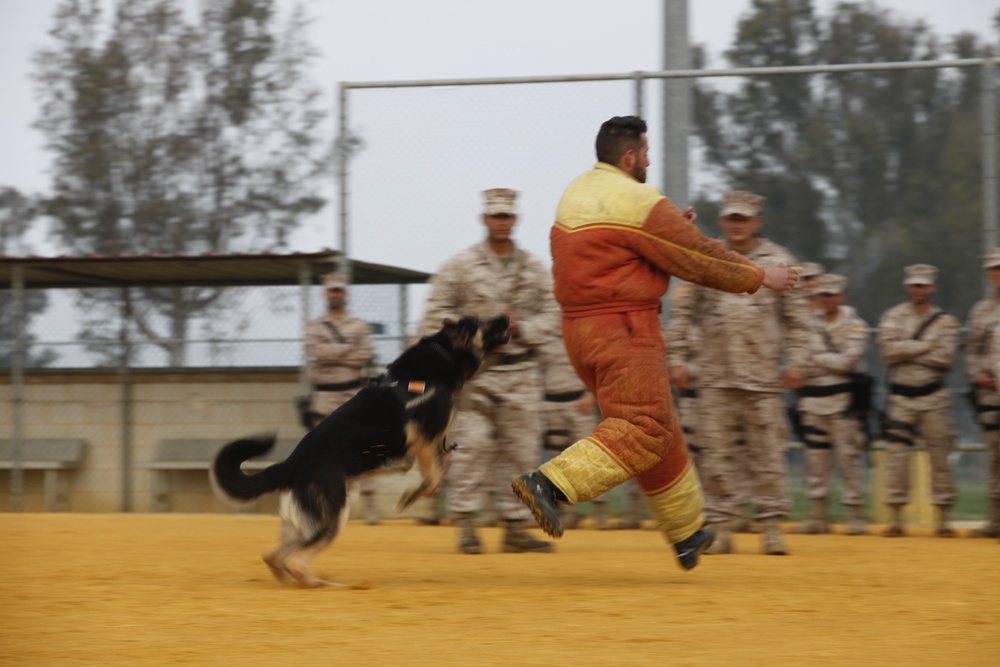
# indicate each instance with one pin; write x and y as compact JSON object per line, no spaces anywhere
{"x":117,"y":589}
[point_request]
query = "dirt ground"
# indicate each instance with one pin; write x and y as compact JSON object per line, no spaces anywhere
{"x":84,"y":589}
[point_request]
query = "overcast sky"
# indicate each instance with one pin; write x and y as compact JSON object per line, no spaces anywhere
{"x":380,"y":40}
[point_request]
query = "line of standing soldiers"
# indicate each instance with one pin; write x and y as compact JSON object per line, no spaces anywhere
{"x":919,"y":343}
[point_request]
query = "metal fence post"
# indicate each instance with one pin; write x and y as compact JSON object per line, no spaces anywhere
{"x":17,"y":363}
{"x":989,"y":130}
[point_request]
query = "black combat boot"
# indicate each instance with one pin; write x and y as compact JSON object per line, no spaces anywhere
{"x":540,"y":496}
{"x":689,"y":549}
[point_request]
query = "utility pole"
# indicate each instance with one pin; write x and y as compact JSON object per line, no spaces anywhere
{"x":676,"y":102}
{"x":676,"y":110}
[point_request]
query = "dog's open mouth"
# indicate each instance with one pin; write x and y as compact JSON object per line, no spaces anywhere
{"x":497,"y":333}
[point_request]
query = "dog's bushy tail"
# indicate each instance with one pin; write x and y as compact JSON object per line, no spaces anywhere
{"x":235,"y":486}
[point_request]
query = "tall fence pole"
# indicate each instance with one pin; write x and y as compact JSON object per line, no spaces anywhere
{"x":344,"y":147}
{"x":989,"y":130}
{"x":17,"y":363}
{"x":676,"y":102}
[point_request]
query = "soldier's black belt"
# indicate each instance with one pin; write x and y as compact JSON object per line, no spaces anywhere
{"x":825,"y":390}
{"x":509,"y":359}
{"x":339,"y":386}
{"x":915,"y":392}
{"x":565,"y":397}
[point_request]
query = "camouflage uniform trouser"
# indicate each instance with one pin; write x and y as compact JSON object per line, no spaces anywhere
{"x":837,"y":437}
{"x":988,"y":413}
{"x":933,"y":425}
{"x":498,"y":431}
{"x":726,"y":416}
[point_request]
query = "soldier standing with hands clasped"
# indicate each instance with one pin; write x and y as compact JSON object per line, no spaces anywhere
{"x":918,"y":342}
{"x":339,"y":347}
{"x":830,"y":420}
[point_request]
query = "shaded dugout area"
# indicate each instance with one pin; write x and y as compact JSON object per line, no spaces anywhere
{"x":120,"y":589}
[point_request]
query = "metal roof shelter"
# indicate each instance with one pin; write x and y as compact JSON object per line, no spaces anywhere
{"x":153,"y":270}
{"x":217,"y":270}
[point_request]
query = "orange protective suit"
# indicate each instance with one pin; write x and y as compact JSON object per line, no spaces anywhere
{"x":615,"y":244}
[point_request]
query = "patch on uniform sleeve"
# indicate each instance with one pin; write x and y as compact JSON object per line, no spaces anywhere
{"x":416,"y":387}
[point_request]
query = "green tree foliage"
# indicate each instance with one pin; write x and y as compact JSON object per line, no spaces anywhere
{"x":865,"y":172}
{"x":176,"y":134}
{"x":17,"y":212}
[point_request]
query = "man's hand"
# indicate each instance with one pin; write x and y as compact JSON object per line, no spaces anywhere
{"x":780,"y":278}
{"x":690,"y":214}
{"x":792,"y":379}
{"x":985,"y":381}
{"x":515,"y":330}
{"x":680,"y":378}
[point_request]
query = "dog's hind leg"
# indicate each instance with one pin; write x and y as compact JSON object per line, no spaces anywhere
{"x":297,"y":565}
{"x":322,"y":532}
{"x":290,"y":541}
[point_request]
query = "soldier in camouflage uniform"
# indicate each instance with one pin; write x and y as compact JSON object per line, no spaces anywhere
{"x":339,"y":347}
{"x":569,"y":412}
{"x":918,"y":342}
{"x":981,"y":346}
{"x":498,"y":429}
{"x":687,"y":410}
{"x":809,"y":276}
{"x":831,"y":428}
{"x":741,"y":379}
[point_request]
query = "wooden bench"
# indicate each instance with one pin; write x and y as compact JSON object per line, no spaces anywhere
{"x":51,"y":456}
{"x":197,"y":454}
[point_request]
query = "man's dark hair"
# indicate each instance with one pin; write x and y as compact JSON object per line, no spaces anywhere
{"x":619,"y":135}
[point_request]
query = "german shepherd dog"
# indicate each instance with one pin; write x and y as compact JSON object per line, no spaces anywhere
{"x":398,"y":419}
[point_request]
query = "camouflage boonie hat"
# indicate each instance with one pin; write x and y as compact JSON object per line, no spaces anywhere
{"x":831,"y":283}
{"x":741,"y":202}
{"x":335,"y":280}
{"x":500,"y":201}
{"x":991,"y":258}
{"x":920,"y":274}
{"x":811,"y":270}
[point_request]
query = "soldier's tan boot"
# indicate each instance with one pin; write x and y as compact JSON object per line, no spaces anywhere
{"x":855,"y":520}
{"x":518,"y":540}
{"x":723,"y":543}
{"x":468,"y":540}
{"x":370,"y":508}
{"x":816,"y":523}
{"x":772,"y":541}
{"x":992,"y":527}
{"x":895,"y":527}
{"x":943,"y":527}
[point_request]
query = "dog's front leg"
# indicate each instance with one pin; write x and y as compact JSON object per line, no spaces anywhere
{"x":427,"y":459}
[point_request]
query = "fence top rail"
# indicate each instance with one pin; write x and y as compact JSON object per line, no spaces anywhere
{"x":678,"y":74}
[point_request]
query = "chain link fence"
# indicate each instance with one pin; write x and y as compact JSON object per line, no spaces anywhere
{"x":411,"y":196}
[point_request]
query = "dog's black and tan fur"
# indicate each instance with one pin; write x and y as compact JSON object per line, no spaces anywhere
{"x":401,"y":418}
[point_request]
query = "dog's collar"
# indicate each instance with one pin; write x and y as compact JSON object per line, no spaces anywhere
{"x":412,"y":386}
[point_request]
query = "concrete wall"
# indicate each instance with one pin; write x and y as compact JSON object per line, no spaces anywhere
{"x":187,"y":403}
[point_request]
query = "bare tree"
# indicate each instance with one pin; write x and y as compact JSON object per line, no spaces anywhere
{"x":173,"y":135}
